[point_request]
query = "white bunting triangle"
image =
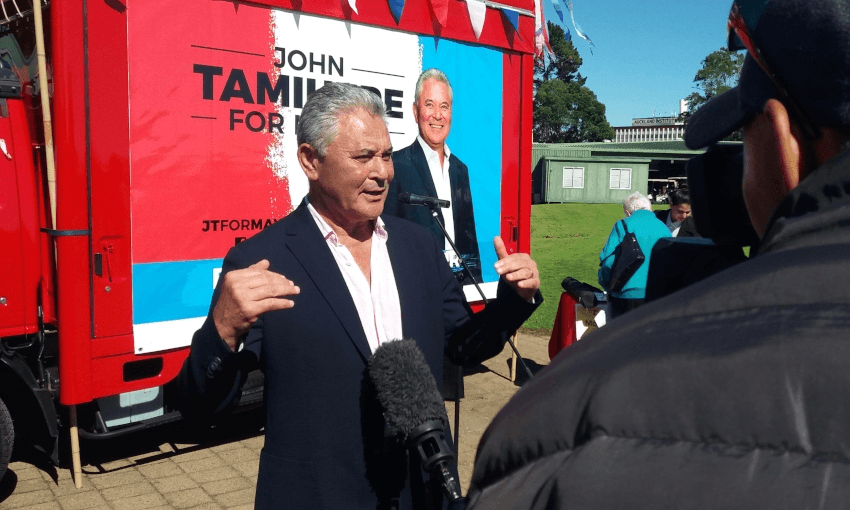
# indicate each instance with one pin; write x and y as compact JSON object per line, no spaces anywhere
{"x":353,"y":5}
{"x":477,"y":11}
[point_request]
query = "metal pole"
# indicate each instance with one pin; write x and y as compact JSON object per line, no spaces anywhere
{"x":463,"y":263}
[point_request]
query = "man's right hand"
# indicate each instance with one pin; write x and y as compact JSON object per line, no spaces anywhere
{"x":245,"y":295}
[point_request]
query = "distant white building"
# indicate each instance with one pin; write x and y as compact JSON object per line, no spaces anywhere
{"x":653,"y":129}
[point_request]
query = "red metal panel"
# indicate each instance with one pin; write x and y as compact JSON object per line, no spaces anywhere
{"x":526,"y":101}
{"x":73,"y":284}
{"x":112,"y":346}
{"x":13,"y":240}
{"x":108,"y":373}
{"x":19,"y":145}
{"x":19,"y":226}
{"x":47,"y":287}
{"x":511,"y":68}
{"x":417,"y":18}
{"x":109,"y":166}
{"x":517,"y":114}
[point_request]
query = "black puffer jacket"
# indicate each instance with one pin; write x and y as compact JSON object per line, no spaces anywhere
{"x":733,"y":393}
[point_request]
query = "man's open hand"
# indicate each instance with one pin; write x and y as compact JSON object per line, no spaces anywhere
{"x":518,"y":269}
{"x":245,"y":295}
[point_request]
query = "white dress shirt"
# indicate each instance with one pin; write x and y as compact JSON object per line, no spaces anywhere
{"x":377,"y":305}
{"x":672,"y":225}
{"x":442,"y":182}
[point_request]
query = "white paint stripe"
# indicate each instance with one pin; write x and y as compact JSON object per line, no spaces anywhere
{"x":472,"y":294}
{"x":162,"y":336}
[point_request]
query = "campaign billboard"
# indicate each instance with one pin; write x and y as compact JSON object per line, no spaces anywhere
{"x":213,"y":109}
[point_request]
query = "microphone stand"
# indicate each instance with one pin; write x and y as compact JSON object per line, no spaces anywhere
{"x":466,"y":267}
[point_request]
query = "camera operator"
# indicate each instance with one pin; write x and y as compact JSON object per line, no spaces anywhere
{"x":731,"y":393}
{"x":680,"y":210}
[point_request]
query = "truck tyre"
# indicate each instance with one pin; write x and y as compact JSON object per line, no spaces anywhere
{"x":7,"y":438}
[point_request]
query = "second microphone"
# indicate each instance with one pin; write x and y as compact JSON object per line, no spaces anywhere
{"x":432,"y":202}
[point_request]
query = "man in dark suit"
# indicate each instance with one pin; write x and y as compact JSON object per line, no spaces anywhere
{"x":311,"y":297}
{"x":427,"y":167}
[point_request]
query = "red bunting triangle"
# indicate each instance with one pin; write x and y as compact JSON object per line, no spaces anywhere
{"x":440,"y":8}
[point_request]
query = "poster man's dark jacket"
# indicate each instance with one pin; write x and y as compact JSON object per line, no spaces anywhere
{"x":412,"y":175}
{"x":731,"y":393}
{"x":314,"y":358}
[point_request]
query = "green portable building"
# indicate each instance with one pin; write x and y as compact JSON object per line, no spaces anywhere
{"x":604,"y":172}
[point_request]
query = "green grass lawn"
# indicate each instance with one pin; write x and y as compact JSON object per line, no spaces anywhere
{"x":565,"y":241}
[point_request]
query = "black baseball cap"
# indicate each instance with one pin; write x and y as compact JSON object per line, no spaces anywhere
{"x":807,"y":45}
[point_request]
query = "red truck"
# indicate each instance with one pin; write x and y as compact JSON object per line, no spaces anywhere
{"x":170,"y":138}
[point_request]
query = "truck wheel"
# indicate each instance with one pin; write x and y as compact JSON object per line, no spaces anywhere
{"x":7,"y":438}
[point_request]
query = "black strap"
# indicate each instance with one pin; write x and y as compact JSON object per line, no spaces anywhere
{"x":64,"y":233}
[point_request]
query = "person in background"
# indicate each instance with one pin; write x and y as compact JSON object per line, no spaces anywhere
{"x":648,"y":229}
{"x":730,"y":393}
{"x":680,"y":210}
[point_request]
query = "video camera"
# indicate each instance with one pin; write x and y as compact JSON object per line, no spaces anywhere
{"x":720,"y":217}
{"x":717,"y":200}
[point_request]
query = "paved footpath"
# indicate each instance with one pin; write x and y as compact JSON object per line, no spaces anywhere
{"x":145,"y":470}
{"x":172,"y":467}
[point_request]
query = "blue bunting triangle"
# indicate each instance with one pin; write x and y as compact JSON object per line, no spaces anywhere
{"x":560,"y":12}
{"x":396,"y":6}
{"x":513,"y":17}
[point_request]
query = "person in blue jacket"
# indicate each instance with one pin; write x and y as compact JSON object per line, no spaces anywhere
{"x":648,"y":229}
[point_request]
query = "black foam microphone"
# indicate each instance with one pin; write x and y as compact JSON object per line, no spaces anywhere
{"x":432,"y":202}
{"x":413,"y":408}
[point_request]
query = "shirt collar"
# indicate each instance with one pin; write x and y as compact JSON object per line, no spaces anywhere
{"x":431,"y":153}
{"x":670,"y":222}
{"x":328,"y":233}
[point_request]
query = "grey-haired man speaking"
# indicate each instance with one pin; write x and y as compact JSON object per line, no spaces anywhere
{"x":309,"y":299}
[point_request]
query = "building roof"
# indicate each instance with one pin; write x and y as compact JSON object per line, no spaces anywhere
{"x":673,"y":149}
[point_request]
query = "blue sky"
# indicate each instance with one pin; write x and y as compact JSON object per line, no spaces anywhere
{"x":646,"y":52}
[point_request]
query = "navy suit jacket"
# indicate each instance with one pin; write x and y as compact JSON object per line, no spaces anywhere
{"x":314,"y":358}
{"x":412,"y":175}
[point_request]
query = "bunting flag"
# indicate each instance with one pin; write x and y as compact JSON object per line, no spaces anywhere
{"x":513,"y":17}
{"x":567,"y":35}
{"x":578,"y":28}
{"x":477,"y":12}
{"x":396,"y":7}
{"x":441,"y":11}
{"x":353,"y":5}
{"x":541,"y":33}
{"x":558,"y":10}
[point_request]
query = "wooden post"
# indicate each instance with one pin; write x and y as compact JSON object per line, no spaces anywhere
{"x":41,"y":57}
{"x":75,"y":449}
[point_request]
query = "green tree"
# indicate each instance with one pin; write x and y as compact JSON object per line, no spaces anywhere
{"x":569,"y":112}
{"x":719,"y":73}
{"x":564,"y":65}
{"x":565,"y":110}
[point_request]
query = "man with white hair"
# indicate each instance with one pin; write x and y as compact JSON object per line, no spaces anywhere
{"x":648,"y":229}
